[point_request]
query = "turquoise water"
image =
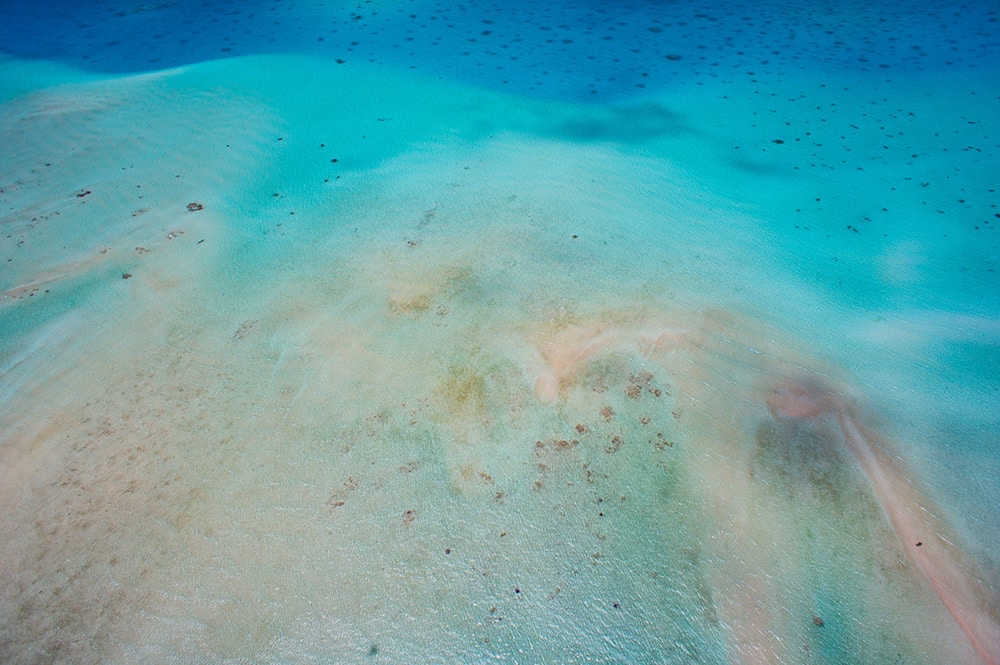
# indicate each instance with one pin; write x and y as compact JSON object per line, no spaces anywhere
{"x":407,"y":332}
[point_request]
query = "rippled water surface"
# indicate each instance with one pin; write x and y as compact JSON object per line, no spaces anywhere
{"x":414,"y":332}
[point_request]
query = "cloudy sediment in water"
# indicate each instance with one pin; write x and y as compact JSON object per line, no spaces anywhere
{"x":407,"y":332}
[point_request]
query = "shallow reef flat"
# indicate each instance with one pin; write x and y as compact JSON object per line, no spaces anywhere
{"x":304,"y":362}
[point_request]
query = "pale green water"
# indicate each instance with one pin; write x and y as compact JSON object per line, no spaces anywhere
{"x":307,"y":428}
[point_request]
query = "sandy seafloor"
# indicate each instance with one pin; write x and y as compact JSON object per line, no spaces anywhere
{"x":464,"y":353}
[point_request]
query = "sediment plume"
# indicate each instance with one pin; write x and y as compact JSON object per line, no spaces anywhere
{"x":707,"y":342}
{"x":912,"y":519}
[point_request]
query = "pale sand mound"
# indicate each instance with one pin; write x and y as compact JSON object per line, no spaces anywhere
{"x":413,"y":387}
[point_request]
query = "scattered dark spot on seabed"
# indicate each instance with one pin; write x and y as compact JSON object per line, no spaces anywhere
{"x":801,"y":461}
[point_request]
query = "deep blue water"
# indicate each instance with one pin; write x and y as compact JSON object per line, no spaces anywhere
{"x":571,"y":50}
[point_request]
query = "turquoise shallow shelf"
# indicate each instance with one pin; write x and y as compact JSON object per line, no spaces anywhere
{"x":397,"y":331}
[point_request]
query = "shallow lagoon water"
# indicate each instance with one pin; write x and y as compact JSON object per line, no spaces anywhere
{"x":453,"y":365}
